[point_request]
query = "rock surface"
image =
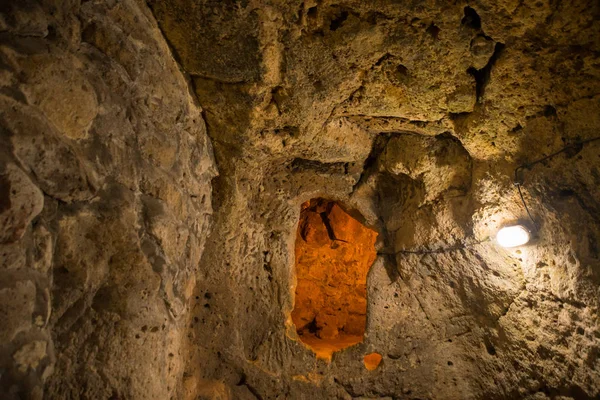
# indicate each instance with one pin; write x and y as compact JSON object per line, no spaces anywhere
{"x":117,"y":281}
{"x":416,"y":115}
{"x":105,"y":202}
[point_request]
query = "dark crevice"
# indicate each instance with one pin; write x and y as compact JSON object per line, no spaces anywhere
{"x":311,"y":327}
{"x":549,"y":111}
{"x":402,"y":70}
{"x":434,"y":31}
{"x":338,"y":21}
{"x":14,"y":93}
{"x":489,"y":347}
{"x":482,"y":76}
{"x":471,"y":18}
{"x":516,"y":129}
{"x":5,"y":202}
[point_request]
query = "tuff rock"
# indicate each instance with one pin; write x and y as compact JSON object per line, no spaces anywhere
{"x":155,"y":157}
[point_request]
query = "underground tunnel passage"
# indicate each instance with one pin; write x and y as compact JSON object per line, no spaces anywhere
{"x":334,"y":252}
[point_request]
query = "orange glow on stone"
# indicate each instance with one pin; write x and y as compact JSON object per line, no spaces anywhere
{"x":333,"y":252}
{"x":372,"y":361}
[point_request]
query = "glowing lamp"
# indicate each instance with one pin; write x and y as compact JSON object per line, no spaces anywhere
{"x":513,"y":236}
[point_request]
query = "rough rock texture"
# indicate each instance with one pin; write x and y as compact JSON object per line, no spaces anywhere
{"x":415,"y":114}
{"x":105,"y":202}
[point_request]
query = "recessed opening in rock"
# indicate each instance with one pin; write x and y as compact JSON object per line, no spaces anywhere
{"x":334,"y":252}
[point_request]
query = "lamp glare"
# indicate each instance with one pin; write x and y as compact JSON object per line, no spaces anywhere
{"x":513,"y":236}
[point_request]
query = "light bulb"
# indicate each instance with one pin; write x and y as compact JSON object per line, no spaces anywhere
{"x":512,"y":236}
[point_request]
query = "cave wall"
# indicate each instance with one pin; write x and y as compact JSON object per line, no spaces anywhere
{"x":105,"y":170}
{"x":415,"y":114}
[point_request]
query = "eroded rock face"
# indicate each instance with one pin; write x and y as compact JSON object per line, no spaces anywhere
{"x":105,"y":202}
{"x":415,"y":115}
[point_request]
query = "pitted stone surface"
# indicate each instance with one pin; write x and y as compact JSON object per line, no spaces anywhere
{"x":105,"y":202}
{"x":414,"y":114}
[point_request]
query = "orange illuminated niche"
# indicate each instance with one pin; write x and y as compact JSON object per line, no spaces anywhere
{"x":334,"y":252}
